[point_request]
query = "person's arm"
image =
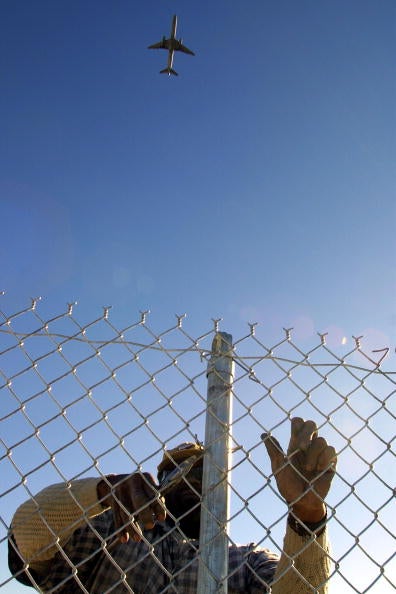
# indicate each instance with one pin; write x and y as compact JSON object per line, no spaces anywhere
{"x":303,"y":478}
{"x":304,"y":566}
{"x":45,"y":522}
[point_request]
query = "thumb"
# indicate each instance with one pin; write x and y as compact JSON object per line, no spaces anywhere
{"x":274,"y":450}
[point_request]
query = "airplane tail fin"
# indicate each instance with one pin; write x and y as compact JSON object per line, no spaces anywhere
{"x":168,"y":71}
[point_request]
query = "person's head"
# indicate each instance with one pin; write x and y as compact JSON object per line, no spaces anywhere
{"x":183,"y":498}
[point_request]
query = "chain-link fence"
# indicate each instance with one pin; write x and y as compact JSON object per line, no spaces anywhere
{"x":89,"y":399}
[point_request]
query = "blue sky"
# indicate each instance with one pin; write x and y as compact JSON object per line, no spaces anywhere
{"x":258,"y":185}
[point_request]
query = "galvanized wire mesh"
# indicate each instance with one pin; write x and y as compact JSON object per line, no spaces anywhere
{"x":84,"y":399}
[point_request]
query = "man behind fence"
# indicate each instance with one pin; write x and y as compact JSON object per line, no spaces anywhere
{"x":119,"y":535}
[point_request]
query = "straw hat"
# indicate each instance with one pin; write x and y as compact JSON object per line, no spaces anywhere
{"x":181,"y":452}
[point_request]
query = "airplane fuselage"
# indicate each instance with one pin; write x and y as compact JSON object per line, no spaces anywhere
{"x":171,"y":54}
{"x":174,"y":27}
{"x":172,"y":38}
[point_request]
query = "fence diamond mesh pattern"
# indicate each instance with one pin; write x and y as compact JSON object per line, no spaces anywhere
{"x":80,"y":399}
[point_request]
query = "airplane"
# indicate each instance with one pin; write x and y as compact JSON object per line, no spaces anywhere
{"x":172,"y":45}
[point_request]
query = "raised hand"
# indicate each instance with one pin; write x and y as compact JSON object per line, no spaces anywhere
{"x":135,"y":502}
{"x":304,"y":475}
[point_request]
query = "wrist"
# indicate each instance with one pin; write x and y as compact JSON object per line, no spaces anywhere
{"x":311,"y":514}
{"x":307,"y":529}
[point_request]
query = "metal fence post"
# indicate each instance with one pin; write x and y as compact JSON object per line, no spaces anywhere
{"x":213,"y":542}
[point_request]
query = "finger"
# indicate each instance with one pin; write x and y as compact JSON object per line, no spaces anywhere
{"x":296,"y":425}
{"x":327,"y":460}
{"x":308,"y":431}
{"x":146,"y":500}
{"x":156,"y":510}
{"x":125,"y":525}
{"x":132,"y":531}
{"x":135,"y":532}
{"x":325,"y":471}
{"x":142,"y":501}
{"x":315,"y":449}
{"x":275,"y":452}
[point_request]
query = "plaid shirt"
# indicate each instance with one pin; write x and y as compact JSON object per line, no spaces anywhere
{"x":164,"y":562}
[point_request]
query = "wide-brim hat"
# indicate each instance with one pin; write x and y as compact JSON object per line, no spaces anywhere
{"x":173,"y":457}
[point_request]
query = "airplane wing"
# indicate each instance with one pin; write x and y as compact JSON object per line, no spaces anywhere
{"x":183,"y":48}
{"x":163,"y":44}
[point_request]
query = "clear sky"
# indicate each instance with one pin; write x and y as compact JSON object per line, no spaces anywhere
{"x":257,"y":186}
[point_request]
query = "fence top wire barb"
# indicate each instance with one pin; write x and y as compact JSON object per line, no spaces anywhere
{"x":240,"y":360}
